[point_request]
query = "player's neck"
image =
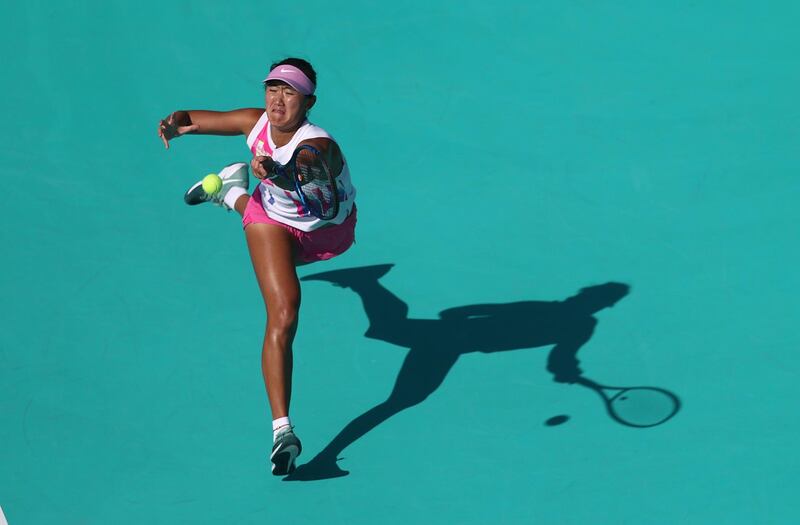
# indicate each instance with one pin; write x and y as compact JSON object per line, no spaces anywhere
{"x":282,"y":136}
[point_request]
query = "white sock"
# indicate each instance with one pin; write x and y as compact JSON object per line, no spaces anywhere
{"x":233,"y":195}
{"x":279,"y":424}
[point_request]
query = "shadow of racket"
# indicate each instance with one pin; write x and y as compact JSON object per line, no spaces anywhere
{"x":636,"y":406}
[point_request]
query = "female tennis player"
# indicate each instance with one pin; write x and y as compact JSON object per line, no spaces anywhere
{"x":281,"y":232}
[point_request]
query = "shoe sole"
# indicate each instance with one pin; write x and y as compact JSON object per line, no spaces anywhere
{"x":191,"y":196}
{"x":283,"y":460}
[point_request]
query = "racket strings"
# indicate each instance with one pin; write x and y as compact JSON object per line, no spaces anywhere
{"x":316,"y":184}
{"x":643,"y":406}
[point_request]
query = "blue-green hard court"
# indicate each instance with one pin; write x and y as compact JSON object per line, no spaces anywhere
{"x":571,"y":299}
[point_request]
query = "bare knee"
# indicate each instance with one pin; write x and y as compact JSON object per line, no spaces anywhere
{"x":282,"y":320}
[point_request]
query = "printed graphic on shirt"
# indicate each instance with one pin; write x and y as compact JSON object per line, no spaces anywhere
{"x":270,"y":198}
{"x":260,"y":151}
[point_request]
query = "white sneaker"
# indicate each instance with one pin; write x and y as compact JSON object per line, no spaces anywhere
{"x":284,"y":452}
{"x":234,"y":175}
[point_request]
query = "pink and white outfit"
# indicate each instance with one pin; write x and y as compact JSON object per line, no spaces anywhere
{"x":318,"y":239}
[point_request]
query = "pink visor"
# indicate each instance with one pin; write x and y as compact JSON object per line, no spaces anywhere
{"x":294,"y":77}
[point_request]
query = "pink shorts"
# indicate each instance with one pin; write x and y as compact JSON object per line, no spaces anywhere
{"x":317,"y":245}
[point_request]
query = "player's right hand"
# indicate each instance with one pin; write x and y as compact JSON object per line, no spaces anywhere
{"x":176,"y":124}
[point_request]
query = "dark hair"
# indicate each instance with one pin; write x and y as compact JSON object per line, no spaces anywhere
{"x":299,"y":63}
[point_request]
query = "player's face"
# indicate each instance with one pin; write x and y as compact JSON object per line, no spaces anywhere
{"x":286,"y":107}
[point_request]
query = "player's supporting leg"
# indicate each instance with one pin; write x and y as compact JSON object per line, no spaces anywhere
{"x":272,"y":251}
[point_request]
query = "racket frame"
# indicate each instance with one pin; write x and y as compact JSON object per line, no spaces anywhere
{"x":609,"y":401}
{"x":288,"y":171}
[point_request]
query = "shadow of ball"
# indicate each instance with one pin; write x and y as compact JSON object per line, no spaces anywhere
{"x":556,"y":420}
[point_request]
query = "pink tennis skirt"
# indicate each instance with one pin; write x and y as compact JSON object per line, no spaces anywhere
{"x":317,"y":245}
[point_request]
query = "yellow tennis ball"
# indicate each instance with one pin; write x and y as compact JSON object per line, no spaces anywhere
{"x":212,"y":183}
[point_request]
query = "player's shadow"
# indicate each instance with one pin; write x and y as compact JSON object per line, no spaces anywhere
{"x":436,"y":344}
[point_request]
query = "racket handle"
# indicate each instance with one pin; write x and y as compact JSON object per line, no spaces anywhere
{"x":273,"y":169}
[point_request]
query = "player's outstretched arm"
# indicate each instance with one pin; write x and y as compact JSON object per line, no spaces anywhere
{"x":473,"y":310}
{"x":205,"y":122}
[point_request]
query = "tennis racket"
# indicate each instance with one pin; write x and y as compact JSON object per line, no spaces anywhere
{"x":638,"y":406}
{"x":313,"y":181}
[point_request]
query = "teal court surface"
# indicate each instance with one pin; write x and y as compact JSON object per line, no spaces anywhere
{"x":553,"y":197}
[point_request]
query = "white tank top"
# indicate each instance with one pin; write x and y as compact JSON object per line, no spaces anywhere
{"x":283,"y":205}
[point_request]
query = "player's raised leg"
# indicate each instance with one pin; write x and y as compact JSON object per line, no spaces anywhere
{"x":233,"y":193}
{"x":272,"y":250}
